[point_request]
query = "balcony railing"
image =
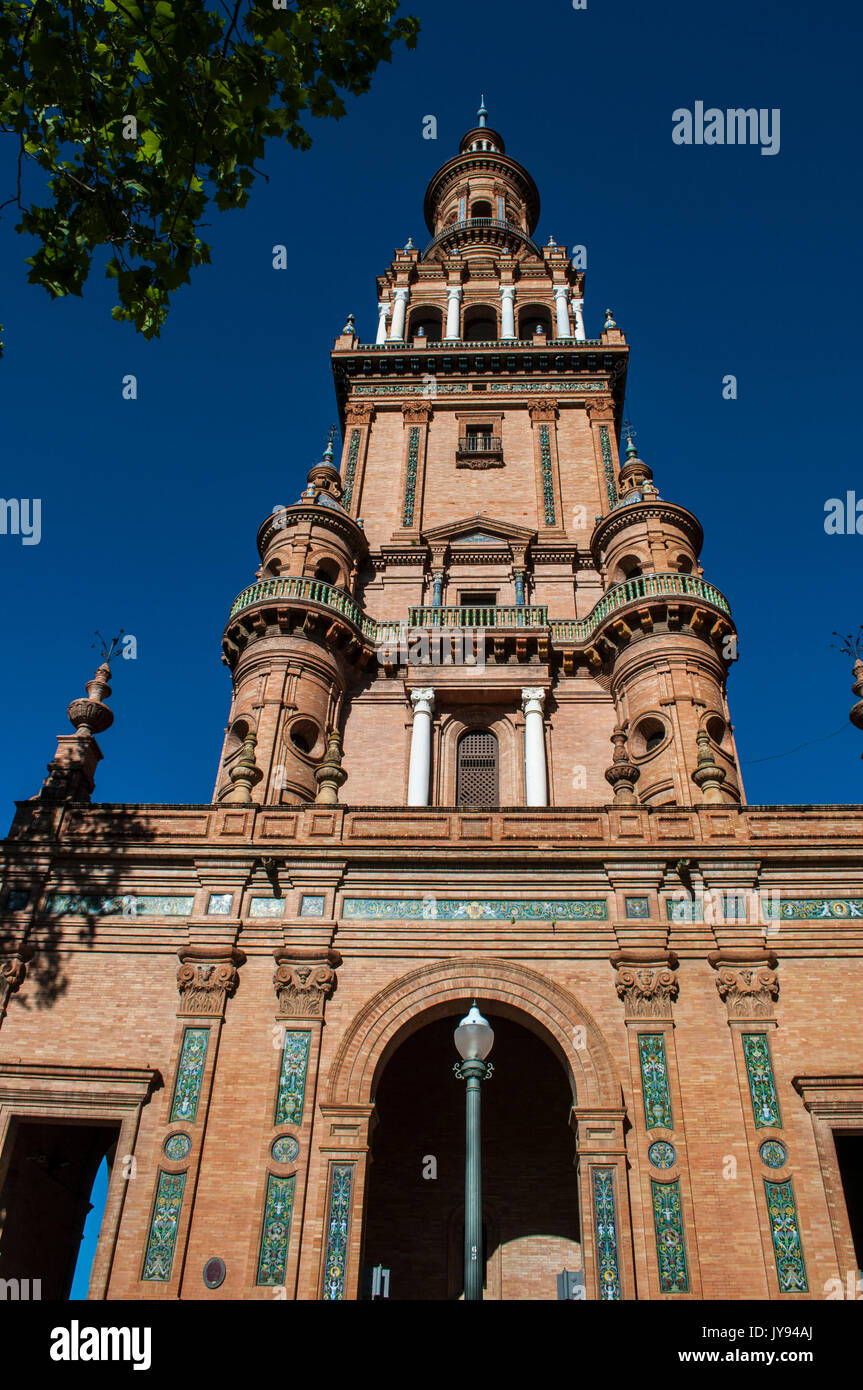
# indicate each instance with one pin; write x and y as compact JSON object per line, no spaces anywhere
{"x":660,"y":585}
{"x":510,"y":616}
{"x":663,"y":585}
{"x":481,"y":224}
{"x":480,"y":444}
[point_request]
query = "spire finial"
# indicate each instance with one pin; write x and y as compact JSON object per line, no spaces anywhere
{"x":631,"y":451}
{"x":482,"y":113}
{"x":328,"y":452}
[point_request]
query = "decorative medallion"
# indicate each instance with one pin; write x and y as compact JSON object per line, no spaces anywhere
{"x":214,"y":1273}
{"x":773,"y":1154}
{"x":411,"y":478}
{"x":670,"y":1244}
{"x":220,"y":904}
{"x":547,"y":481}
{"x":351,"y":469}
{"x":654,"y":1081}
{"x":607,"y":464}
{"x":605,"y":1219}
{"x":662,"y":1154}
{"x":189,"y":1073}
{"x":782,"y":1210}
{"x":285,"y":1149}
{"x":177,"y":1147}
{"x":312,"y":905}
{"x":292,"y":1079}
{"x":762,"y":1087}
{"x":276,"y":1230}
{"x":341,"y":1183}
{"x":637,"y":908}
{"x":163,"y":1226}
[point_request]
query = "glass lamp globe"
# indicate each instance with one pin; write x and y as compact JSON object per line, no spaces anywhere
{"x":474,"y":1036}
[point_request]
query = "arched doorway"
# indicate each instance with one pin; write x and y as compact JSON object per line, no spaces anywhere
{"x":415,"y":1195}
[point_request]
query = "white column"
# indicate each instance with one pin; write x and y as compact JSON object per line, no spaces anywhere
{"x":397,"y":327}
{"x":420,"y":764}
{"x":507,"y":312}
{"x":578,"y":317}
{"x":535,"y":781}
{"x":383,"y":313}
{"x":452,"y":314}
{"x":560,"y":303}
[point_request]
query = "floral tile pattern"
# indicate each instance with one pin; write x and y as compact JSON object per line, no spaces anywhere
{"x":547,"y":483}
{"x":782,"y":1210}
{"x":163,"y":1226}
{"x":125,"y":905}
{"x":605,"y":1218}
{"x":670,"y":1244}
{"x":276,"y":1230}
{"x":476,"y":909}
{"x":341,"y":1183}
{"x":654,"y":1081}
{"x":762,"y":1087}
{"x":187,"y":1091}
{"x":292,"y":1079}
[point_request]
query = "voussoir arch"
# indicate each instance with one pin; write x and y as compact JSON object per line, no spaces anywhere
{"x":515,"y":991}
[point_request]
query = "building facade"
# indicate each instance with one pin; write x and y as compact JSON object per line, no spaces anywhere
{"x":479,"y":747}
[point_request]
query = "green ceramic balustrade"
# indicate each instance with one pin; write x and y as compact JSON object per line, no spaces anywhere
{"x":508,"y":617}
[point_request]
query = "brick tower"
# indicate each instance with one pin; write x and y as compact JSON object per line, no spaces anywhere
{"x":478,"y":749}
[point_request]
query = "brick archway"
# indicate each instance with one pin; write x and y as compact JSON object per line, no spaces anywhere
{"x":518,"y":993}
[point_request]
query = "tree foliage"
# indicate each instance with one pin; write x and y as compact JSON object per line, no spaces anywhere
{"x":143,"y":114}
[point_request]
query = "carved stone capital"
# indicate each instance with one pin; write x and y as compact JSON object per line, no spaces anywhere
{"x":416,"y":412}
{"x":207,"y":978}
{"x":747,"y":981}
{"x":600,"y":408}
{"x":646,"y":982}
{"x":543,"y":408}
{"x":304,"y":981}
{"x":359,"y":413}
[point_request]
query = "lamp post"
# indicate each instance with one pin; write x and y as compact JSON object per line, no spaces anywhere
{"x":473,"y":1039}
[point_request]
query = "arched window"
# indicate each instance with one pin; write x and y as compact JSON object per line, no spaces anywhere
{"x":477,"y":783}
{"x":481,"y":209}
{"x":480,"y":324}
{"x":530,"y":318}
{"x":429,"y":320}
{"x":328,"y":571}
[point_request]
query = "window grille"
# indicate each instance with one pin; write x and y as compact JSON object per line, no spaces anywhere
{"x":477,"y":769}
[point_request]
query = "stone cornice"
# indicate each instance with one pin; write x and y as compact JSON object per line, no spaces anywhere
{"x":660,"y":510}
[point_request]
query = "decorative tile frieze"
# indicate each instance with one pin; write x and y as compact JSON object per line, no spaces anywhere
{"x":204,"y":988}
{"x":605,"y":1221}
{"x":762,"y":1087}
{"x":531,"y":388}
{"x":303,"y":986}
{"x":219,"y":904}
{"x":784,"y":1229}
{"x":276,"y":1230}
{"x":312,"y":905}
{"x":163,"y":1226}
{"x":291,"y":1094}
{"x":647,"y":987}
{"x":351,"y":469}
{"x":477,"y":909}
{"x":804,"y":909}
{"x":607,"y":464}
{"x":187,"y":1090}
{"x":127,"y":905}
{"x":747,"y":982}
{"x":547,"y":479}
{"x":338,"y":1224}
{"x":670,"y":1242}
{"x":411,"y":476}
{"x":454,"y":388}
{"x":267,"y":907}
{"x":654,"y":1081}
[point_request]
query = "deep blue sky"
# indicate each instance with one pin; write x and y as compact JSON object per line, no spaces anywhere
{"x":715,"y":260}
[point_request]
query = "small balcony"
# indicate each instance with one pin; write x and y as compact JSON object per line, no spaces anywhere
{"x":506,"y":617}
{"x":479,"y":451}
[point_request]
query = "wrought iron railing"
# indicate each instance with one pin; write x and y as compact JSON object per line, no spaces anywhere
{"x":480,"y":444}
{"x":502,"y":617}
{"x":470,"y":224}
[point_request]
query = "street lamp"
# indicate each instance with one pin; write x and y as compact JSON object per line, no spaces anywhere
{"x":473,"y":1039}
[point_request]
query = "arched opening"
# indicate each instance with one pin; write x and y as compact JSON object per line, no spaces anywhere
{"x":415,"y":1196}
{"x":480,"y":324}
{"x":478,"y":779}
{"x":684,"y":564}
{"x":628,"y":568}
{"x":533,"y":317}
{"x":481,"y":208}
{"x":328,"y":571}
{"x":426,"y":322}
